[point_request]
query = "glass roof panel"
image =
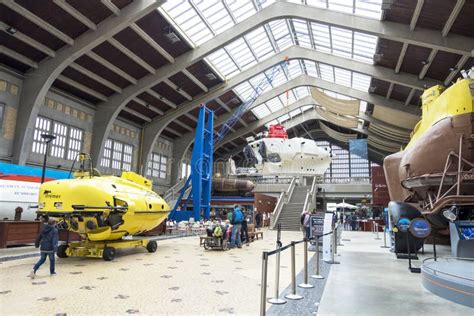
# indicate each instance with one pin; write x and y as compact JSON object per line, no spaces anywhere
{"x":301,"y":33}
{"x":261,"y":111}
{"x":240,"y":9}
{"x":260,"y":43}
{"x":241,"y":53}
{"x":222,"y":61}
{"x":215,"y":14}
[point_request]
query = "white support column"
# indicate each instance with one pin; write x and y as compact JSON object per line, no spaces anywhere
{"x":430,"y":59}
{"x":148,"y":106}
{"x":401,"y":57}
{"x":389,"y":92}
{"x":178,"y":89}
{"x":456,"y":69}
{"x":137,"y":114}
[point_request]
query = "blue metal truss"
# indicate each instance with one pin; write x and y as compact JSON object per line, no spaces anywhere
{"x":200,"y":178}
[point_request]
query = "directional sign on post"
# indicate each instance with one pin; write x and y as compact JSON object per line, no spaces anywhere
{"x":317,"y":224}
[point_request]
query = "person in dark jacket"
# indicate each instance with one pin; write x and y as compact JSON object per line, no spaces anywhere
{"x":244,"y":230}
{"x":237,"y":218}
{"x":47,"y":241}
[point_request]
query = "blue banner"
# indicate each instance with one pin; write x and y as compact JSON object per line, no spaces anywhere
{"x":358,"y":147}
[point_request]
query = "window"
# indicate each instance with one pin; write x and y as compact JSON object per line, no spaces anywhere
{"x":68,"y":142}
{"x":58,"y":146}
{"x":185,"y":170}
{"x":157,"y":166}
{"x":74,"y":144}
{"x":117,"y":155}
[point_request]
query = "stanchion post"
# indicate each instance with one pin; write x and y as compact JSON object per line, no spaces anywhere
{"x":293,"y":295}
{"x":317,"y":275}
{"x":276,"y":299}
{"x":333,"y":250}
{"x":384,"y":238}
{"x":377,"y":231}
{"x":263,"y":291}
{"x":305,"y":285}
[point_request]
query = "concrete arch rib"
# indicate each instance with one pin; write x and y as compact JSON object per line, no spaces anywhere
{"x":154,"y":129}
{"x":279,"y":10}
{"x":37,"y":82}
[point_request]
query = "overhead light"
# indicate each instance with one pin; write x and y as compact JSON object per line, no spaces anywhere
{"x":453,"y":69}
{"x":11,"y":30}
{"x":451,"y":213}
{"x":372,"y":89}
{"x":425,"y":62}
{"x":378,"y":57}
{"x":172,"y":37}
{"x":178,"y":89}
{"x":211,"y":76}
{"x":48,"y":137}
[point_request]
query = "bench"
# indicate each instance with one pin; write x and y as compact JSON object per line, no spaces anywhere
{"x":253,"y":234}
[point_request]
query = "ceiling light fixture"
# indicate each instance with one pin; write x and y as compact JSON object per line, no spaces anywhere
{"x":11,"y":30}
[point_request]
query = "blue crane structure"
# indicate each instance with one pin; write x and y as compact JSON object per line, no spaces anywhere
{"x":200,"y":178}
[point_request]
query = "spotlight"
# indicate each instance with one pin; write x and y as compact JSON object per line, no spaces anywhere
{"x":48,"y":138}
{"x":11,"y":30}
{"x":425,"y":62}
{"x":453,"y":69}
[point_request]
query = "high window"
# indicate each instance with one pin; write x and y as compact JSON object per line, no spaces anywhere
{"x":68,"y":142}
{"x":157,"y":166}
{"x":117,"y":155}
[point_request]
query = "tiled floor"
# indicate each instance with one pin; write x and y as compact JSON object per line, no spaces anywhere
{"x":371,"y":281}
{"x":180,"y":278}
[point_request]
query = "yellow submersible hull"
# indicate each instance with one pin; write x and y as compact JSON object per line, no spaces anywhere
{"x":103,"y":210}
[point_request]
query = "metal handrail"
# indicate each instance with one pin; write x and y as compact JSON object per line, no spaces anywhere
{"x":277,"y":211}
{"x":435,"y":271}
{"x":170,"y":193}
{"x":309,"y":196}
{"x":291,"y":188}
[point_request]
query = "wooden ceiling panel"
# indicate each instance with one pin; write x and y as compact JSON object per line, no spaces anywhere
{"x":142,"y":49}
{"x":464,"y":24}
{"x":122,"y":3}
{"x":93,"y":9}
{"x":435,"y":13}
{"x":194,"y":112}
{"x":400,"y":93}
{"x":230,"y":99}
{"x":141,"y":109}
{"x":204,"y":74}
{"x":187,"y":84}
{"x":12,"y":63}
{"x":400,"y":11}
{"x":23,"y":25}
{"x":213,"y":105}
{"x":169,"y":93}
{"x":381,"y":87}
{"x":439,"y":68}
{"x":157,"y":28}
{"x":76,"y":92}
{"x":153,"y":101}
{"x":119,"y":59}
{"x":249,"y":117}
{"x":186,"y":120}
{"x":90,"y":64}
{"x":169,"y":134}
{"x":177,"y":127}
{"x":131,"y":117}
{"x":20,"y":47}
{"x":54,"y":15}
{"x":389,"y":52}
{"x":88,"y":82}
{"x":415,"y":55}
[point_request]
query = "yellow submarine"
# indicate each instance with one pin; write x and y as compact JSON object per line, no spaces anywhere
{"x":106,"y":211}
{"x":435,"y":171}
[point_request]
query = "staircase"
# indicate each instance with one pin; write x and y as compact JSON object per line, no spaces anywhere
{"x":290,"y":214}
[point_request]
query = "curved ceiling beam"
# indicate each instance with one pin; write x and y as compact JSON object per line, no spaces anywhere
{"x":279,"y":10}
{"x":108,"y":112}
{"x":37,"y":82}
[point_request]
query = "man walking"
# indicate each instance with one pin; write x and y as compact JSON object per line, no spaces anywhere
{"x":245,"y":230}
{"x":306,"y":224}
{"x":47,"y":240}
{"x":237,"y":218}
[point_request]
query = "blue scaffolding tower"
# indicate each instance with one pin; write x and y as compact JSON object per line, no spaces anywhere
{"x":200,"y":178}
